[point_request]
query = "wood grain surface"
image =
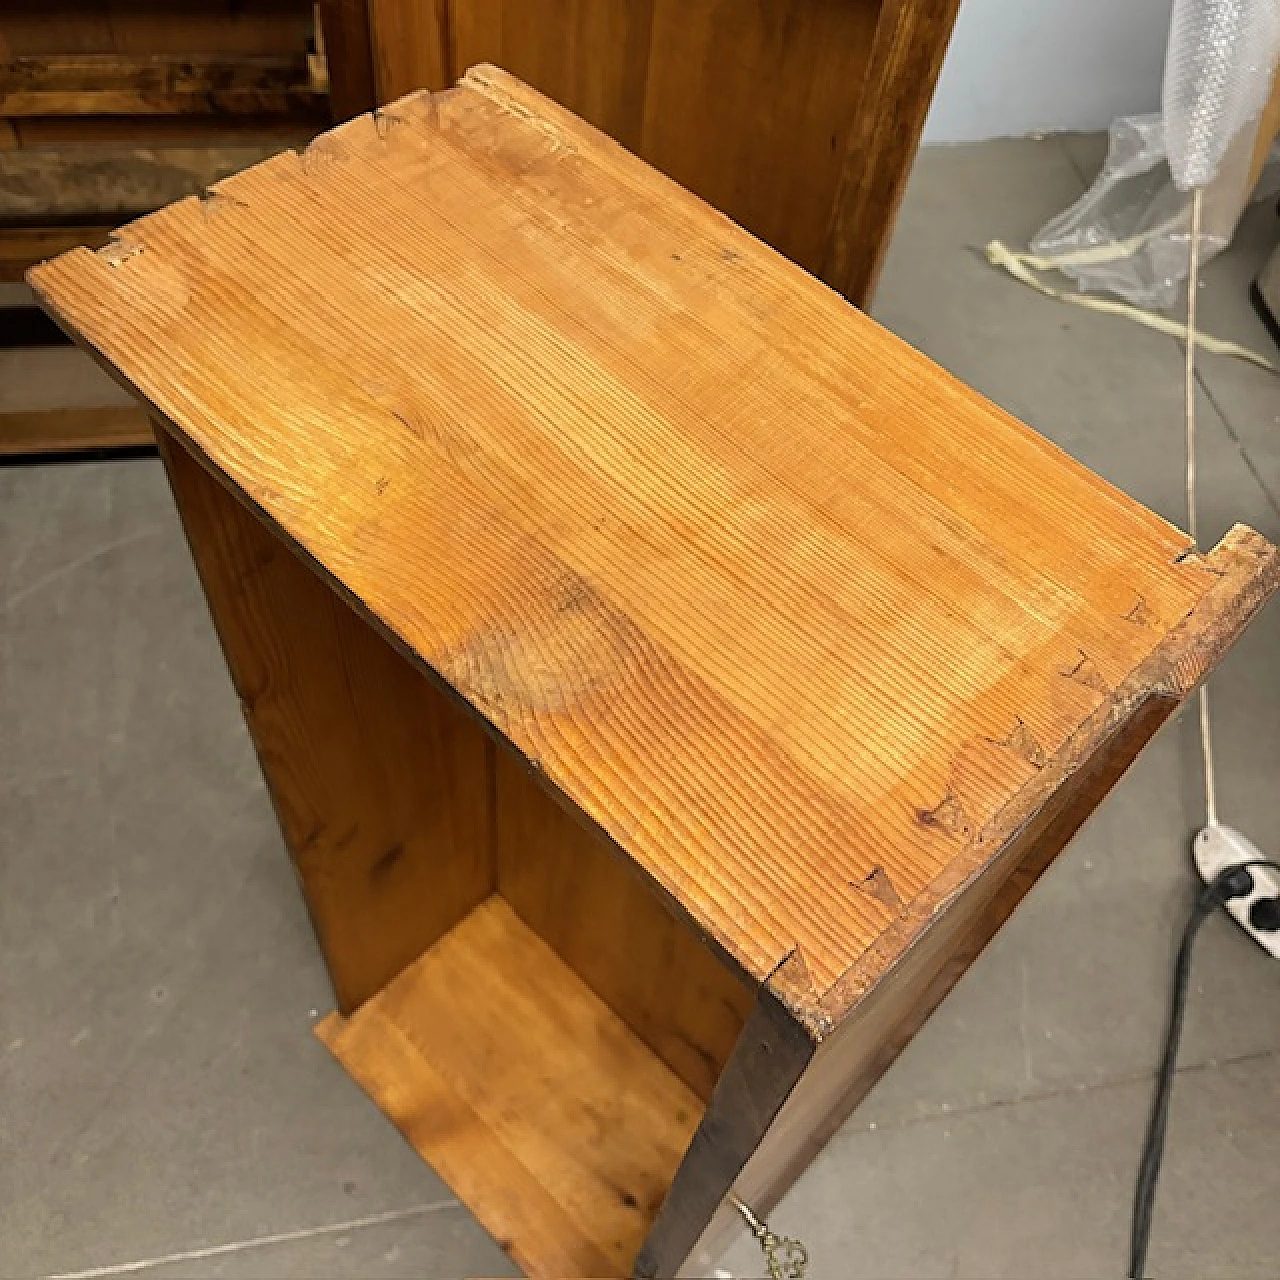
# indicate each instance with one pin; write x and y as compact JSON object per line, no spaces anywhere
{"x":725,"y":98}
{"x":554,"y":1123}
{"x":799,"y":622}
{"x":797,"y":118}
{"x":349,"y":54}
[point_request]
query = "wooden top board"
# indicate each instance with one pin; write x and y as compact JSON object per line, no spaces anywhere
{"x":805,"y":625}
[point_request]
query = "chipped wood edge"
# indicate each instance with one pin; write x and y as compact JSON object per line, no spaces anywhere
{"x":1248,"y":573}
{"x":769,"y":1058}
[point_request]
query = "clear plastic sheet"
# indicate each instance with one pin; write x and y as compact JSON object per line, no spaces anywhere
{"x":1127,"y":234}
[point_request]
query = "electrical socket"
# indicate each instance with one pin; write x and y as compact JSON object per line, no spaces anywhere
{"x":1217,"y":848}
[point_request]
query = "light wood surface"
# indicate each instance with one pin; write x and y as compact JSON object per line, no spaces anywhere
{"x":379,"y":783}
{"x":554,"y":1122}
{"x":793,"y":617}
{"x":798,"y":118}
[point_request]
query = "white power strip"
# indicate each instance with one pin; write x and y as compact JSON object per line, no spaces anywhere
{"x":1257,"y":912}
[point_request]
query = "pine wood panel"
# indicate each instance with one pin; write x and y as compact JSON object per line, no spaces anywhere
{"x":554,"y":1123}
{"x":591,"y":56}
{"x":773,"y":87}
{"x":793,"y":617}
{"x":748,"y":105}
{"x":380,"y":784}
{"x":579,"y":896}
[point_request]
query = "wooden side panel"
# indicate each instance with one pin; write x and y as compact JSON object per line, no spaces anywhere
{"x":863,"y":1047}
{"x":747,"y":105}
{"x":750,"y":106}
{"x":591,"y":56}
{"x":380,"y":784}
{"x":766,"y":1063}
{"x":349,"y":53}
{"x":410,"y":46}
{"x":550,"y":1119}
{"x":671,"y":989}
{"x":910,"y":40}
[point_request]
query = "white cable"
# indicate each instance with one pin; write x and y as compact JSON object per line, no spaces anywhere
{"x":1021,"y":265}
{"x":1193,"y":515}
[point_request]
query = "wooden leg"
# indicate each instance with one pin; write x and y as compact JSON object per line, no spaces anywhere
{"x":380,"y":783}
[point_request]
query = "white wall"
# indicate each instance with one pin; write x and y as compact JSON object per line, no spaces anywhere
{"x":1018,"y":66}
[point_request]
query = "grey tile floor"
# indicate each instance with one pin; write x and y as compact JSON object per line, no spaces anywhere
{"x":165,"y":1112}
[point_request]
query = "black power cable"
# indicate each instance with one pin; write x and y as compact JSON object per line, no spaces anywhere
{"x":1231,"y":882}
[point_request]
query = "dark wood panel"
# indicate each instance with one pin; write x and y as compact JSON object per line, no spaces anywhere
{"x":906,"y":56}
{"x":411,"y":46}
{"x":668,"y":986}
{"x":33,"y":27}
{"x":36,"y":431}
{"x":348,"y":51}
{"x":23,"y":247}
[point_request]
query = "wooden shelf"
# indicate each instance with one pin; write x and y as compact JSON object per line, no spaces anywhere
{"x":71,"y":430}
{"x":507,"y":1074}
{"x":158,"y":84}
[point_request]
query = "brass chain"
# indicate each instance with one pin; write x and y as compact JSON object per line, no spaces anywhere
{"x":786,"y":1259}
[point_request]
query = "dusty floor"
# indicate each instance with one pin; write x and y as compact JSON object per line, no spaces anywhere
{"x":164,"y":1110}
